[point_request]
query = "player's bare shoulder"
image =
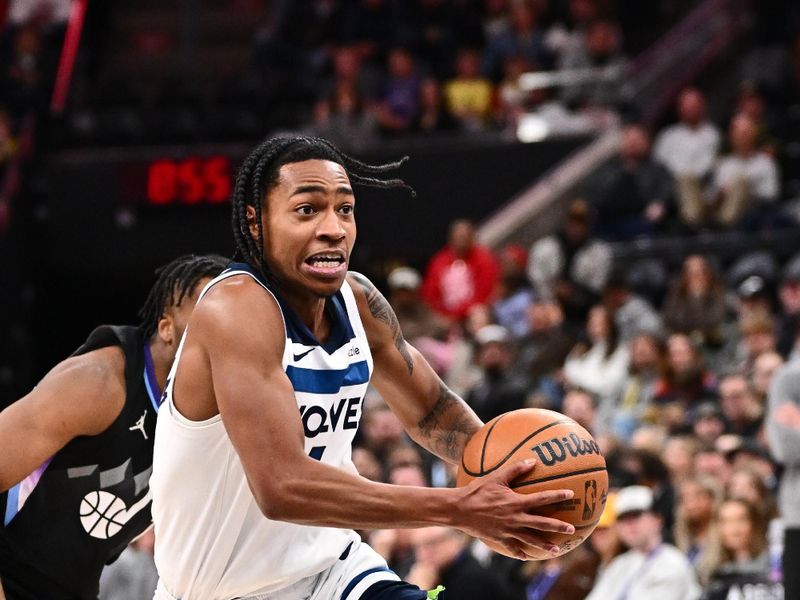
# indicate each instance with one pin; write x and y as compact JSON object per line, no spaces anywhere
{"x":97,"y":379}
{"x":237,"y":307}
{"x":377,"y":315}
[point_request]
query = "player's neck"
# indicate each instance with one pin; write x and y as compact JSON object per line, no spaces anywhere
{"x":163,"y":355}
{"x":311,"y":311}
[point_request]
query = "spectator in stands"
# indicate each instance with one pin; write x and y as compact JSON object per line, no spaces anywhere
{"x":367,"y":463}
{"x":752,"y":103}
{"x":382,"y":430}
{"x":749,"y":484}
{"x":757,"y":335}
{"x":396,"y":546}
{"x":711,"y":463}
{"x":745,"y":181}
{"x":740,"y":404}
{"x":632,"y":313}
{"x":741,"y":548}
{"x":783,"y":432}
{"x":433,"y":114}
{"x":543,"y":351}
{"x":650,"y":563}
{"x":571,"y":265}
{"x":696,"y":303}
{"x":460,"y":275}
{"x":678,"y":455}
{"x":513,"y":295}
{"x":343,"y":118}
{"x":698,"y":499}
{"x":688,"y":149}
{"x":522,"y":36}
{"x":499,"y":390}
{"x":564,"y":35}
{"x":398,"y":108}
{"x":469,"y":95}
{"x":646,"y":365}
{"x":581,"y":406}
{"x":512,"y":100}
{"x":600,"y":51}
{"x":789,"y":296}
{"x":601,"y":366}
{"x":764,"y":368}
{"x":415,"y":317}
{"x":685,"y":382}
{"x":462,"y":373}
{"x":442,"y":557}
{"x":707,"y":422}
{"x":633,"y":193}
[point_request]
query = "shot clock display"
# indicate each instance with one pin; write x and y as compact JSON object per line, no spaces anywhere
{"x":189,"y":181}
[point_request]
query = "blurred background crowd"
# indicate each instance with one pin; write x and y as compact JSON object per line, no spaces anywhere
{"x":659,"y":306}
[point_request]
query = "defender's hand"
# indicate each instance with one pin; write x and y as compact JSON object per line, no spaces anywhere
{"x":489,"y":509}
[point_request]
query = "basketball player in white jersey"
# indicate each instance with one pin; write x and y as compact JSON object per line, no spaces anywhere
{"x":254,"y":492}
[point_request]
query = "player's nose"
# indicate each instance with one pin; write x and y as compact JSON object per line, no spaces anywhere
{"x":330,"y":225}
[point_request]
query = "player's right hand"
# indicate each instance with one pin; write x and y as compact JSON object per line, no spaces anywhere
{"x":489,"y":509}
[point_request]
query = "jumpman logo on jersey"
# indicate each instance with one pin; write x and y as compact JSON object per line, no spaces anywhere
{"x":139,"y":425}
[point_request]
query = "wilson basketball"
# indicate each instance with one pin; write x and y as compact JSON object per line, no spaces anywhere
{"x":567,"y":457}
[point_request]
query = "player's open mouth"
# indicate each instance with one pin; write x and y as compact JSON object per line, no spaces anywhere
{"x":326,"y":263}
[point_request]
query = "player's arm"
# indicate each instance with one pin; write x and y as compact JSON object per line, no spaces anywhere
{"x":258,"y":408}
{"x":435,"y":417}
{"x":80,"y":396}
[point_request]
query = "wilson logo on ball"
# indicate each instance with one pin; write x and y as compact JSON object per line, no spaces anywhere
{"x":555,"y":450}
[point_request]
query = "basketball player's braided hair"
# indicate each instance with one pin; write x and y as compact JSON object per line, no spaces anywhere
{"x":173,"y":282}
{"x":259,"y":173}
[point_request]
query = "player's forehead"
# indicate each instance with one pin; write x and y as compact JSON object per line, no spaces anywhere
{"x":313,"y":172}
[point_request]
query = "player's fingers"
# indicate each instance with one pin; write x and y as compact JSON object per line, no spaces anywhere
{"x":537,"y":499}
{"x":531,"y":539}
{"x":514,"y":548}
{"x":540,"y":523}
{"x":509,"y":472}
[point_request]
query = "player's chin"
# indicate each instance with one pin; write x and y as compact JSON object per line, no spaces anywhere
{"x":325,"y":283}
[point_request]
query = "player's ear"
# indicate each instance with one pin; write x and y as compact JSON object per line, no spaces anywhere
{"x":251,"y":221}
{"x":166,"y":328}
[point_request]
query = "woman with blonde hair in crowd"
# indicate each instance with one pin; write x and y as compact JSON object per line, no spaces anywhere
{"x":739,"y":547}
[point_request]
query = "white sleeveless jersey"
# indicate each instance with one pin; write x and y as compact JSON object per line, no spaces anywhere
{"x":212,"y":541}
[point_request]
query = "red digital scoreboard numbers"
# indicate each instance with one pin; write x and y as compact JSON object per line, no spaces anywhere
{"x":194,"y":180}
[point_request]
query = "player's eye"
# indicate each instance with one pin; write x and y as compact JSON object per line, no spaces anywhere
{"x":305,"y":210}
{"x":346,"y":209}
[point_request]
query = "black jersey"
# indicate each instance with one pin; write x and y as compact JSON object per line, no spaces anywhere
{"x":80,"y":509}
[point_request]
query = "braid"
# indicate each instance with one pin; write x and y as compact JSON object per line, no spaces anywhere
{"x":173,"y":282}
{"x":259,"y":173}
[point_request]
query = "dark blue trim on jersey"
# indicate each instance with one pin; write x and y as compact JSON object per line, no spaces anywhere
{"x":341,"y":331}
{"x":150,"y":381}
{"x":327,"y":381}
{"x":12,"y":500}
{"x":355,"y":581}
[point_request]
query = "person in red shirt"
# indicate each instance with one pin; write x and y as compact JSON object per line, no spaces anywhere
{"x":460,"y":275}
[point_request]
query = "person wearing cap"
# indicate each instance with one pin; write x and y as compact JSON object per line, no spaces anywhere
{"x":783,"y":433}
{"x":571,"y":265}
{"x":499,"y":390}
{"x":651,"y":569}
{"x":415,"y":317}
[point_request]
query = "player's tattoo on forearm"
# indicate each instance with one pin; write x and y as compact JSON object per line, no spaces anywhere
{"x":382,"y":311}
{"x":448,"y":426}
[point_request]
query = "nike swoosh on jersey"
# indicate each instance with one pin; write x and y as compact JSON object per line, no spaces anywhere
{"x":301,"y":355}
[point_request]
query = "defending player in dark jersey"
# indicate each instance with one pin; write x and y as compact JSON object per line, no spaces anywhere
{"x":76,"y":453}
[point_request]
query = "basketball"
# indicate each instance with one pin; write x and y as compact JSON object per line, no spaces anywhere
{"x":567,"y":457}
